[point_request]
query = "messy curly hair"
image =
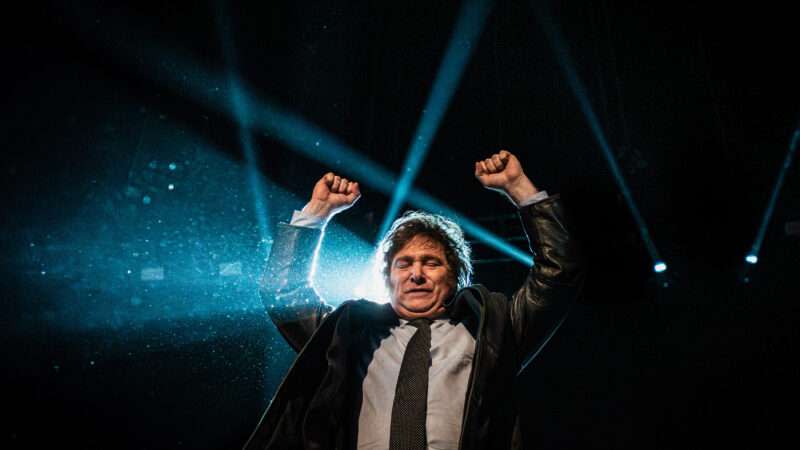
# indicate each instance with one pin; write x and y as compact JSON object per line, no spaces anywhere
{"x":440,"y":229}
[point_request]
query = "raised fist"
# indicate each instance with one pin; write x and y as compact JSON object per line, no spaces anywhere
{"x":503,"y":173}
{"x":332,"y":194}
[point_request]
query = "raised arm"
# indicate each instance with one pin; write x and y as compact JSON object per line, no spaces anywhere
{"x":554,"y":281}
{"x":285,"y":286}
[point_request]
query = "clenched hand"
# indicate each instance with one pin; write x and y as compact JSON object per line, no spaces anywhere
{"x":502,"y":172}
{"x":332,"y":194}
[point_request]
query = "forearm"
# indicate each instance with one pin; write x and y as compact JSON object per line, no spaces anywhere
{"x":288,"y":296}
{"x":520,"y":191}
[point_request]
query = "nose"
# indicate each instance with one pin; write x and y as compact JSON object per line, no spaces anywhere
{"x":417,"y":276}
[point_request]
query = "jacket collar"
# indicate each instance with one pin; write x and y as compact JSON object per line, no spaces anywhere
{"x":468,"y":300}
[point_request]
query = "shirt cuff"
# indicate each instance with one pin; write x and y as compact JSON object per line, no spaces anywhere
{"x":535,"y":198}
{"x":305,"y":220}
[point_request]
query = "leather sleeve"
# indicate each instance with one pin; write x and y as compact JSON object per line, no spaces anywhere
{"x":553,"y":283}
{"x":285,"y":286}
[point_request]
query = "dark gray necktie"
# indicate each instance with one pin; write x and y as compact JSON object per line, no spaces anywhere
{"x":410,"y":406}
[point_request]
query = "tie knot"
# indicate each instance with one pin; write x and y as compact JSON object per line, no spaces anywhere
{"x":421,"y":322}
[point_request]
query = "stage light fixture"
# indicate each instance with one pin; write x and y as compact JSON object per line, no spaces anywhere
{"x":773,"y":199}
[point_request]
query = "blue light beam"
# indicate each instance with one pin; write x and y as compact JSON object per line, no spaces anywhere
{"x":317,"y":144}
{"x":566,"y":63}
{"x":253,"y":175}
{"x":422,"y":200}
{"x":241,"y":115}
{"x":190,"y":79}
{"x":752,"y":257}
{"x":463,"y":40}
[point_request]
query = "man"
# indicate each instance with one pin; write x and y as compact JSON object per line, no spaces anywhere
{"x":435,"y":367}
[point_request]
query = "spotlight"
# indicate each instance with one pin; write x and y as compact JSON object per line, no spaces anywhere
{"x":371,"y":284}
{"x":660,"y":266}
{"x":773,"y":200}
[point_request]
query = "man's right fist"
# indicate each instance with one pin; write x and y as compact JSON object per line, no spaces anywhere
{"x":332,"y":194}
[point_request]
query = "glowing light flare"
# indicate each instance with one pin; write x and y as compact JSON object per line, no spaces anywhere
{"x":660,"y":267}
{"x":347,"y":267}
{"x":371,"y":284}
{"x":751,"y":259}
{"x":465,"y":34}
{"x":773,"y":199}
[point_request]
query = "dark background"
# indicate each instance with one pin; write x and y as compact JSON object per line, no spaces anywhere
{"x":698,"y":103}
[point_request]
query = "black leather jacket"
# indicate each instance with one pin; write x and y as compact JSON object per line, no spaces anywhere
{"x":316,"y":405}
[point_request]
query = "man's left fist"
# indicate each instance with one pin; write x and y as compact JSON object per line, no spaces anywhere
{"x":502,"y":172}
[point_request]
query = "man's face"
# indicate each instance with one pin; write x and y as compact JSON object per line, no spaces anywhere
{"x":420,"y":279}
